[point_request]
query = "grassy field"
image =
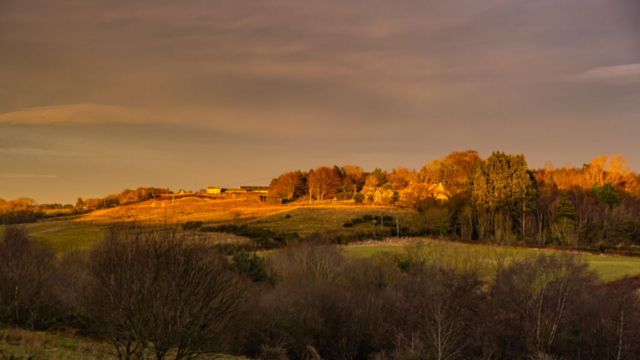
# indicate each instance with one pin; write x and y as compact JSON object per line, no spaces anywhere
{"x":36,"y":345}
{"x":309,"y":219}
{"x":82,"y":231}
{"x":609,"y":268}
{"x":66,"y":235}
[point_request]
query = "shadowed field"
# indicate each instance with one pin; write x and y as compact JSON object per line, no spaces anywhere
{"x":81,"y":232}
{"x":22,"y":344}
{"x":609,"y":268}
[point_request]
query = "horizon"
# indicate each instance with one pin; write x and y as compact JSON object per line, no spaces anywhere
{"x":99,"y":97}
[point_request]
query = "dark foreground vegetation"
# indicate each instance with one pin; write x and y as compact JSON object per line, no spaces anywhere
{"x":156,"y":292}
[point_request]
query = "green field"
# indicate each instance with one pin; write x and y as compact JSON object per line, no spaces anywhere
{"x":306,"y":220}
{"x":609,"y":268}
{"x":65,"y":235}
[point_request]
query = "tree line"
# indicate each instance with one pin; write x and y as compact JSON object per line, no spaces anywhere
{"x":155,"y":292}
{"x":498,"y":199}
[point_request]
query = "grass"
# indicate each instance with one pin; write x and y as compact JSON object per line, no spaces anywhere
{"x":306,"y":220}
{"x":22,"y":344}
{"x":65,"y":235}
{"x":608,"y":268}
{"x":82,"y":231}
{"x":36,"y":345}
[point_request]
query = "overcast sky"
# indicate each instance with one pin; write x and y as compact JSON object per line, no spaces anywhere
{"x":98,"y":96}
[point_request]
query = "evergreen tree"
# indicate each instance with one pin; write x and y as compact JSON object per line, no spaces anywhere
{"x":564,"y":209}
{"x":606,"y":194}
{"x":504,"y":183}
{"x":79,"y":204}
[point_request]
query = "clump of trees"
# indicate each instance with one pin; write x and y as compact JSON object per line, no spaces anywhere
{"x":155,"y":292}
{"x":19,"y":211}
{"x":498,"y":199}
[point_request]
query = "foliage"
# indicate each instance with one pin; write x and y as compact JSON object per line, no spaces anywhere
{"x":249,"y":265}
{"x":606,"y":194}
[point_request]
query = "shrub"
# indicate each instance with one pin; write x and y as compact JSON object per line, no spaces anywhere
{"x":348,"y":224}
{"x":192,"y":225}
{"x":357,"y":221}
{"x":368,"y":218}
{"x":249,"y":266}
{"x":359,"y":198}
{"x":156,"y":288}
{"x":342,"y":196}
{"x":288,"y":216}
{"x":387,"y":218}
{"x":26,"y":269}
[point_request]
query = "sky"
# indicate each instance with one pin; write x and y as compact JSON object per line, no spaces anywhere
{"x":103,"y":95}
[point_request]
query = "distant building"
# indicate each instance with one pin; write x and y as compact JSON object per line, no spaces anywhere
{"x":214,"y":189}
{"x":255,"y":189}
{"x":384,"y":196}
{"x":415,"y":193}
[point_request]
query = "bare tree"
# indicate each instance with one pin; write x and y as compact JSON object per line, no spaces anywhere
{"x":25,"y":273}
{"x":159,"y":289}
{"x":323,"y":182}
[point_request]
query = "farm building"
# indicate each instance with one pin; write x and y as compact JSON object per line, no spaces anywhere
{"x":422,"y":191}
{"x":214,"y":189}
{"x":384,"y":196}
{"x":255,"y":189}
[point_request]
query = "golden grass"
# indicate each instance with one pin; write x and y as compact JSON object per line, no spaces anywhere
{"x":183,"y":210}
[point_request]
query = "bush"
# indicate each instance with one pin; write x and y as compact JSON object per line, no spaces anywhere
{"x":249,"y":266}
{"x":357,"y":221}
{"x":156,"y":288}
{"x":192,"y":225}
{"x":387,"y":218}
{"x":344,"y":196}
{"x":348,"y":224}
{"x":368,"y":218}
{"x":288,"y":216}
{"x":26,"y":275}
{"x":359,"y":198}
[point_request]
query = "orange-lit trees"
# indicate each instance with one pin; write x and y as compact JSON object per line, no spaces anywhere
{"x":322,"y":182}
{"x":401,"y":177}
{"x":452,"y":170}
{"x":289,"y":184}
{"x":354,"y":177}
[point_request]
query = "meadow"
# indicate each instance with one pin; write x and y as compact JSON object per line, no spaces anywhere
{"x":66,"y":233}
{"x":609,"y":268}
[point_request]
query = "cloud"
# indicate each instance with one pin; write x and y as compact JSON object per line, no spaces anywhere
{"x":26,"y":176}
{"x":74,"y":114}
{"x":628,"y":74}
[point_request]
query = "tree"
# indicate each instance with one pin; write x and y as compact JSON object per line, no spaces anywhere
{"x":606,"y":194}
{"x":354,"y":177}
{"x":504,"y":183}
{"x":452,"y":170}
{"x":564,"y":209}
{"x":401,"y":177}
{"x":159,"y":289}
{"x":79,"y":204}
{"x":289,"y":184}
{"x":25,"y":270}
{"x":323,"y":182}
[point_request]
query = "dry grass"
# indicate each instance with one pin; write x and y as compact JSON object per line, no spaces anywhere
{"x":22,"y":344}
{"x":183,"y":210}
{"x":37,"y":345}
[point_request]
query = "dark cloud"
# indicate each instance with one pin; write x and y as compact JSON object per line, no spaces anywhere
{"x":118,"y":94}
